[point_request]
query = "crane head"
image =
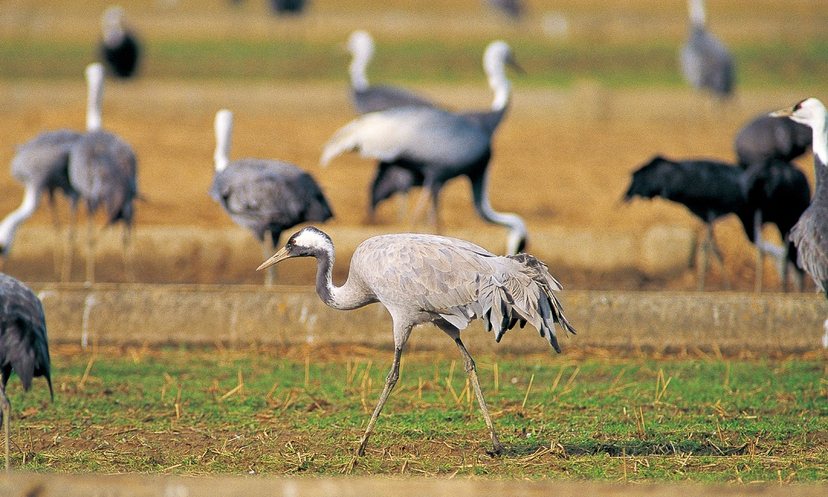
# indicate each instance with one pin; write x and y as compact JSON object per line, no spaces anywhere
{"x":810,"y":112}
{"x":308,"y":242}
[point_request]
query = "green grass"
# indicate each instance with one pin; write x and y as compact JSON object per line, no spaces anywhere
{"x":180,"y":411}
{"x":547,"y":63}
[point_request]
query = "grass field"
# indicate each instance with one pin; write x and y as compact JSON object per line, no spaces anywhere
{"x":196,"y":411}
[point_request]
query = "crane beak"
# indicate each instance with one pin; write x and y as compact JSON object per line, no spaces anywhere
{"x":786,"y":112}
{"x":511,"y":62}
{"x":279,"y":256}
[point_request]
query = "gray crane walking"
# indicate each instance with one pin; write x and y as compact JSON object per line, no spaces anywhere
{"x":705,"y":61}
{"x":24,"y":347}
{"x":41,"y":164}
{"x":265,"y":196}
{"x":372,"y":98}
{"x":810,"y":235}
{"x":391,"y":179}
{"x":421,"y":279}
{"x":103,"y":169}
{"x":436,"y":144}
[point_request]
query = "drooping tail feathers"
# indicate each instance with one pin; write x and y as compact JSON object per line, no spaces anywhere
{"x":526,"y":295}
{"x":373,"y":135}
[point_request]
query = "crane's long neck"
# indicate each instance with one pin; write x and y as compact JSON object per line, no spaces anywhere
{"x":698,"y":18}
{"x":359,"y":66}
{"x":345,"y":297}
{"x":223,"y":129}
{"x":9,"y":225}
{"x":517,"y":228}
{"x":500,"y":85}
{"x":94,"y":82}
{"x":820,"y":147}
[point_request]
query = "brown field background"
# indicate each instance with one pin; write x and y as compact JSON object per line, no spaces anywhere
{"x":562,"y":158}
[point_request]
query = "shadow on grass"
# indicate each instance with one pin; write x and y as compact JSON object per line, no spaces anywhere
{"x":630,"y":448}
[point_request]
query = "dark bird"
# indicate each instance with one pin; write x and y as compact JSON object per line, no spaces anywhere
{"x":433,"y":279}
{"x":512,"y":8}
{"x":120,"y":49}
{"x":436,"y":144}
{"x":705,"y":61}
{"x":765,"y":138}
{"x":391,"y":179}
{"x":24,"y":347}
{"x":41,"y":165}
{"x":372,"y":98}
{"x":810,"y":235}
{"x":265,"y":196}
{"x":287,"y":7}
{"x":709,"y":189}
{"x":103,"y":169}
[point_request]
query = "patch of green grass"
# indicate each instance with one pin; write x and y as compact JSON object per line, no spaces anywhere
{"x":547,"y":63}
{"x":207,"y":412}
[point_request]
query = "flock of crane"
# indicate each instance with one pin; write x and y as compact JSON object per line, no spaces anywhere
{"x":419,"y":278}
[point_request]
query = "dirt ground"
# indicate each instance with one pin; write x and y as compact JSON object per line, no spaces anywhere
{"x":561,"y":158}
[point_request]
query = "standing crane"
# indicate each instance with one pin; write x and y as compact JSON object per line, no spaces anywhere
{"x":810,"y":235}
{"x":102,"y":169}
{"x":372,"y":98}
{"x":391,"y":179}
{"x":24,"y":347}
{"x":436,"y":144}
{"x":119,"y":47}
{"x":705,"y":61}
{"x":421,"y":279}
{"x":265,"y":196}
{"x":41,"y":164}
{"x":765,"y":138}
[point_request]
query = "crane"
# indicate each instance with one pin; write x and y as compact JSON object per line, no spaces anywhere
{"x":448,"y":282}
{"x":705,"y":61}
{"x":119,"y":47}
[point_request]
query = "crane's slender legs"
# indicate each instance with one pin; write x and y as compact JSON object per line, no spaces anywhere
{"x":709,"y":245}
{"x":267,"y":251}
{"x":56,"y":224}
{"x":760,"y":251}
{"x":129,"y":254}
{"x":69,"y":245}
{"x":471,"y":370}
{"x":91,"y":243}
{"x":390,"y":381}
{"x":5,"y":419}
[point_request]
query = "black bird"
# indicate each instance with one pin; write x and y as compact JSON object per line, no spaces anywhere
{"x":810,"y":235}
{"x":287,"y":7}
{"x":24,"y":347}
{"x":709,"y":189}
{"x":705,"y":61}
{"x":265,"y":196}
{"x":120,"y":48}
{"x":765,"y":138}
{"x":778,"y":193}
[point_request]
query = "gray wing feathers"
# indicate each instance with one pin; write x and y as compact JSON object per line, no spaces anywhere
{"x":376,"y":98}
{"x":811,"y":240}
{"x":43,"y":160}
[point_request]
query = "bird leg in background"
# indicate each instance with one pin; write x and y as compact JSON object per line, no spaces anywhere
{"x":129,"y":254}
{"x":91,"y":242}
{"x":760,"y":253}
{"x":434,"y":218}
{"x":56,"y":224}
{"x":709,"y":245}
{"x":268,"y":249}
{"x":69,"y":246}
{"x":390,"y":381}
{"x":4,"y":418}
{"x":471,"y":371}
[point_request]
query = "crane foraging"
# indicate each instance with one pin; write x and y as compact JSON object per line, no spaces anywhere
{"x":421,"y":279}
{"x":810,"y":235}
{"x":42,"y":165}
{"x":437,"y":145}
{"x":265,"y":196}
{"x":103,"y":169}
{"x":705,"y":61}
{"x":391,"y":179}
{"x":24,"y":348}
{"x":372,"y":98}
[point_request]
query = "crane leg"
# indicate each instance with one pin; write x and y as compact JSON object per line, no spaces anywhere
{"x":760,"y":252}
{"x":267,"y":250}
{"x":5,"y":419}
{"x":718,"y":254}
{"x":390,"y":381}
{"x":471,"y":371}
{"x":69,"y":245}
{"x":129,"y":254}
{"x":91,"y":243}
{"x":705,"y":260}
{"x":56,"y":224}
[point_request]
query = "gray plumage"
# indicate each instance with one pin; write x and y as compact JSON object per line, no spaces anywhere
{"x":264,"y":196}
{"x":512,"y":8}
{"x":269,"y":196}
{"x":372,"y":98}
{"x":24,"y":347}
{"x":765,"y":138}
{"x":705,"y":61}
{"x":41,"y":165}
{"x":103,"y":170}
{"x":422,"y":278}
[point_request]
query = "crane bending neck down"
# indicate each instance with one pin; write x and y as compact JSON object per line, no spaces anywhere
{"x":516,"y":240}
{"x":9,"y":225}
